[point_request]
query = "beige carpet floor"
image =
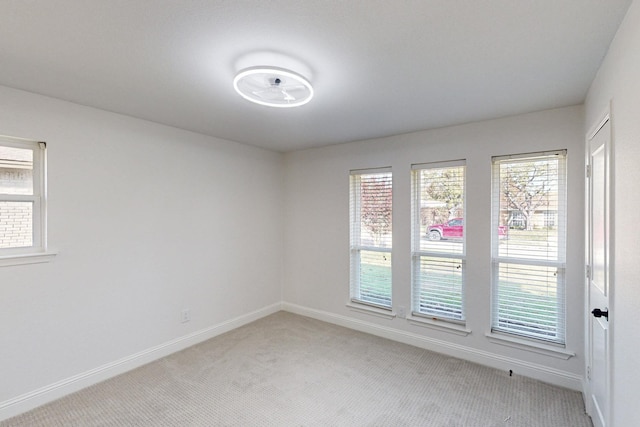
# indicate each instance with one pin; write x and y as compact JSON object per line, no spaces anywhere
{"x":288,"y":370}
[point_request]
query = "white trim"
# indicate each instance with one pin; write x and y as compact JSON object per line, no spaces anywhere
{"x":356,"y":248}
{"x":27,"y":258}
{"x":26,"y":198}
{"x":17,"y":405}
{"x":532,"y":370}
{"x":526,"y":156}
{"x":439,"y":165}
{"x":371,"y":309}
{"x":604,"y":118}
{"x":371,"y":171}
{"x":439,"y":324}
{"x":16,"y":141}
{"x":536,"y":347}
{"x":449,"y":255}
{"x":528,"y":261}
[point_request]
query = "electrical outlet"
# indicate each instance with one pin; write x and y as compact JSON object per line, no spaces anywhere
{"x":185,"y":315}
{"x":402,"y":312}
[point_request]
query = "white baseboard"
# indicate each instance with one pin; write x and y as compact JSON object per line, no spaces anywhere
{"x":531,"y":370}
{"x":587,"y":398}
{"x":43,"y":395}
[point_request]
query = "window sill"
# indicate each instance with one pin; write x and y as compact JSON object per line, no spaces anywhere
{"x":367,"y":309}
{"x":440,"y":325}
{"x":23,"y":259}
{"x":523,"y":344}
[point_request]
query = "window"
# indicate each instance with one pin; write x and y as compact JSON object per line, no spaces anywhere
{"x":370,"y":210}
{"x":529,"y":221}
{"x":22,"y":196}
{"x":438,"y":240}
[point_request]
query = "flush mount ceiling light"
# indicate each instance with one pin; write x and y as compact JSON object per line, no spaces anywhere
{"x":273,"y":87}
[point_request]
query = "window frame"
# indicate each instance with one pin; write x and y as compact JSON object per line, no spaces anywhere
{"x":528,"y":262}
{"x":418,"y":254}
{"x":355,"y":245}
{"x":38,"y":251}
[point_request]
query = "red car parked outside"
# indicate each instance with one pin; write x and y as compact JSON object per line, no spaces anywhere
{"x":454,"y":229}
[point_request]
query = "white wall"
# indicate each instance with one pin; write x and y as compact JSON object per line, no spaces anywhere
{"x":618,"y":82}
{"x":316,"y":272}
{"x":148,"y":220}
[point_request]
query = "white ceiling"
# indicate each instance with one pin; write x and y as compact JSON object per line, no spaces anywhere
{"x":379,"y":67}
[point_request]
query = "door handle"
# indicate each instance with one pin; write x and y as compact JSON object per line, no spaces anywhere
{"x":600,"y":313}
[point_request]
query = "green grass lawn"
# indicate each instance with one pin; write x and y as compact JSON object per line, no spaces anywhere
{"x":375,"y":277}
{"x":435,"y":298}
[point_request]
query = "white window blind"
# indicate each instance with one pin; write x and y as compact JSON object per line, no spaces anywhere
{"x":22,"y":196}
{"x":528,"y":245}
{"x":370,"y":227}
{"x":438,"y":240}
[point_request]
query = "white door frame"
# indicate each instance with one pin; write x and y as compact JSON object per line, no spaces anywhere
{"x":589,"y":404}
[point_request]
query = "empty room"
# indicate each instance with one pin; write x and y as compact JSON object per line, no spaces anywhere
{"x":322,"y":212}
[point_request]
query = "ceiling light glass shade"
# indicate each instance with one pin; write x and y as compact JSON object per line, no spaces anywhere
{"x":273,"y":87}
